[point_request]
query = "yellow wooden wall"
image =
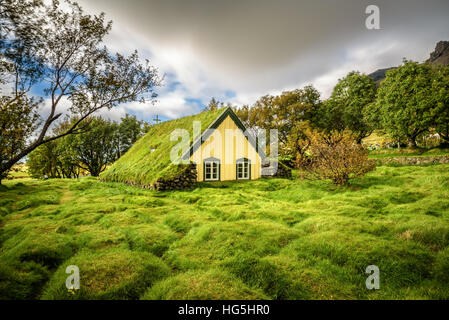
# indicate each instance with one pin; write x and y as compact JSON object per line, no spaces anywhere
{"x":228,"y":148}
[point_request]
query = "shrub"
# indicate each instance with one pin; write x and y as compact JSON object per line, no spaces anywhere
{"x":335,"y":156}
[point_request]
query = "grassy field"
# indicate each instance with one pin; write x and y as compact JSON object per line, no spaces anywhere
{"x":264,"y":239}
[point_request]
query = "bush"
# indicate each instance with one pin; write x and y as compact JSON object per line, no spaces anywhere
{"x":335,"y":156}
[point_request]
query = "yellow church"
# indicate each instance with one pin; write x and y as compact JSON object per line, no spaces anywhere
{"x":225,"y":151}
{"x":215,"y":147}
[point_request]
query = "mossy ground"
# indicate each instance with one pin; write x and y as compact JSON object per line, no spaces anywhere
{"x":263,"y":239}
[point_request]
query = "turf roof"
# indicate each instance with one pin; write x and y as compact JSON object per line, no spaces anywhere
{"x":140,"y":165}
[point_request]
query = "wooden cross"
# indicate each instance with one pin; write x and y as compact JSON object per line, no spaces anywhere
{"x":157,"y":120}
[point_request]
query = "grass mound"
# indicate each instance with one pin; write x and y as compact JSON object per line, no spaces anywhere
{"x":200,"y":285}
{"x":266,"y":274}
{"x":149,"y":238}
{"x":30,"y":258}
{"x":108,"y":274}
{"x":149,"y":158}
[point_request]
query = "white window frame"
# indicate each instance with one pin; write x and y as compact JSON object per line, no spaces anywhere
{"x":245,"y":165}
{"x":213,"y":171}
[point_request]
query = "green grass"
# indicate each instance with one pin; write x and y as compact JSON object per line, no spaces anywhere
{"x":262,"y":239}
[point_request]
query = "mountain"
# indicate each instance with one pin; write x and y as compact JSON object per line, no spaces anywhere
{"x":440,"y":56}
{"x":379,"y":74}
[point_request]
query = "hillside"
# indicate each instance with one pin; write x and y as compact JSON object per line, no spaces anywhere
{"x":379,"y":74}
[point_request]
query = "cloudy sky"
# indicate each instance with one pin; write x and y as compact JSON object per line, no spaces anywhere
{"x":239,"y":50}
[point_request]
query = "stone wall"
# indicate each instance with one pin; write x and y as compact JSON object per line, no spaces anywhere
{"x":414,"y":160}
{"x":186,"y":179}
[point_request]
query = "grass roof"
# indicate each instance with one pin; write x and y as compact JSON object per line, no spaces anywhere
{"x":140,"y":165}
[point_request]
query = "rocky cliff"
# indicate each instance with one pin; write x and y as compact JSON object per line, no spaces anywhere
{"x":441,"y":54}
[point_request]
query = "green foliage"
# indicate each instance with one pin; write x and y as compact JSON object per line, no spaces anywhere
{"x":149,"y":158}
{"x":441,"y":95}
{"x":407,"y":152}
{"x":349,"y":106}
{"x":100,"y":144}
{"x":126,"y":134}
{"x":290,"y":113}
{"x":442,"y":266}
{"x":17,"y":122}
{"x":406,"y":102}
{"x":214,"y":105}
{"x":43,"y":161}
{"x":95,"y":148}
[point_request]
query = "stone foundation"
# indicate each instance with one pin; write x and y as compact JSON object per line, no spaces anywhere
{"x":410,"y":161}
{"x":186,"y":179}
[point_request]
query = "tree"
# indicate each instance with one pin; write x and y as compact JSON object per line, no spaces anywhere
{"x":61,"y":50}
{"x":347,"y":107}
{"x":19,"y":118}
{"x":94,"y":149}
{"x":249,"y":118}
{"x":440,"y":90}
{"x":126,"y":134}
{"x":406,"y":101}
{"x":44,"y":162}
{"x":213,"y":105}
{"x":290,"y":113}
{"x":336,"y":156}
{"x":18,"y":121}
{"x":68,"y":161}
{"x":55,"y":159}
{"x":101,"y":143}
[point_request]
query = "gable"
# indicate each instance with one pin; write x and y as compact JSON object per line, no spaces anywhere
{"x":227,"y":142}
{"x":227,"y":113}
